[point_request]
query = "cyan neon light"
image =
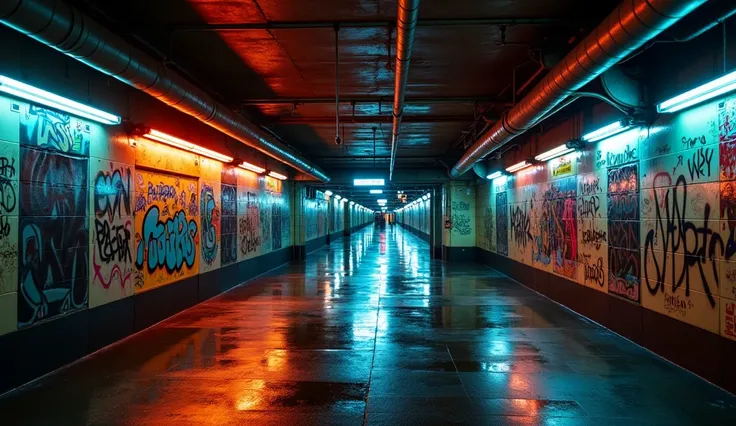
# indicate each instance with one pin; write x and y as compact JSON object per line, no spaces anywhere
{"x":369,"y":182}
{"x":606,"y":131}
{"x":712,"y":89}
{"x":494,"y":175}
{"x":376,"y":191}
{"x":42,"y":97}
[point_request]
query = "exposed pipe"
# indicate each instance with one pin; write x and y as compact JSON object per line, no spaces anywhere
{"x":369,"y":119}
{"x":629,"y":26}
{"x":64,"y":28}
{"x":406,"y":25}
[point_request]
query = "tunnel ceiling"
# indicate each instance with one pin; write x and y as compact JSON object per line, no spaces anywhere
{"x":460,"y":78}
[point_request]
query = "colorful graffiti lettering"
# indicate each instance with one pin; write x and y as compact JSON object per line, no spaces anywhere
{"x":167,"y":243}
{"x":210,"y":224}
{"x":53,"y":258}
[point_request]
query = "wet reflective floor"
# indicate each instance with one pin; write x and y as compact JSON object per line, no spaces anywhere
{"x":372,"y":331}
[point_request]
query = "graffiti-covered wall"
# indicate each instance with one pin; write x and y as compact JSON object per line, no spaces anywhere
{"x":461,"y":213}
{"x":315,"y":211}
{"x":89,"y":216}
{"x":646,"y":216}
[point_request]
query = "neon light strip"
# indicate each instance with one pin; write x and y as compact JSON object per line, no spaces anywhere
{"x":606,"y":132}
{"x":709,"y":90}
{"x":553,"y":153}
{"x":39,"y":96}
{"x":277,"y":175}
{"x":251,"y":167}
{"x":494,"y":175}
{"x":185,"y":145}
{"x":518,"y":166}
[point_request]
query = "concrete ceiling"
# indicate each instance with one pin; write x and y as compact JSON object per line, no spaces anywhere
{"x":460,"y":79}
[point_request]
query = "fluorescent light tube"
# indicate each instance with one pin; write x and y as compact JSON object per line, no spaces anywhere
{"x":185,"y":145}
{"x":709,"y":90}
{"x":42,"y":97}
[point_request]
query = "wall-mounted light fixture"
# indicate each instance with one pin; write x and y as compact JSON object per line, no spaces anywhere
{"x":162,"y":137}
{"x":429,"y":195}
{"x":495,"y":175}
{"x":519,"y":166}
{"x":328,"y":193}
{"x":42,"y":97}
{"x":277,"y":175}
{"x":376,"y":191}
{"x":344,"y":200}
{"x":554,"y":153}
{"x":252,"y":167}
{"x":607,"y":131}
{"x":338,"y":196}
{"x":424,"y":197}
{"x":368,"y":182}
{"x":712,"y":89}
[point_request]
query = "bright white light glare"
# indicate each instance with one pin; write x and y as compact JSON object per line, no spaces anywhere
{"x":328,"y":193}
{"x":424,"y":197}
{"x":277,"y":175}
{"x":376,"y":191}
{"x":429,"y":195}
{"x":554,"y":153}
{"x":252,"y":167}
{"x":337,"y":197}
{"x":368,"y":182}
{"x":518,"y":166}
{"x":494,"y":175}
{"x":353,"y":202}
{"x":38,"y":96}
{"x":501,"y":180}
{"x":709,"y":90}
{"x":606,"y":132}
{"x":345,"y":200}
{"x":162,"y":137}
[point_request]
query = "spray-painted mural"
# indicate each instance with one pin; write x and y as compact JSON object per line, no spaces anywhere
{"x":229,"y":217}
{"x":167,"y":229}
{"x":646,"y":216}
{"x":53,"y":226}
{"x":111,"y":251}
{"x":88,"y":218}
{"x":210,"y":225}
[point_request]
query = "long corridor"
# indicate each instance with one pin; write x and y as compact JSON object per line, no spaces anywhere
{"x":370,"y":330}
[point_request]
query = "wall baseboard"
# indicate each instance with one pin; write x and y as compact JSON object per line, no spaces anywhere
{"x":699,"y":351}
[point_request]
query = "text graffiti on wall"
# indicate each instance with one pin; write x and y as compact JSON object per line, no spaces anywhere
{"x":624,"y":262}
{"x":113,"y":230}
{"x":210,"y":222}
{"x":54,"y":235}
{"x":521,"y":227}
{"x":52,"y":130}
{"x":167,"y":235}
{"x":502,"y":220}
{"x":229,"y":223}
{"x":249,"y":225}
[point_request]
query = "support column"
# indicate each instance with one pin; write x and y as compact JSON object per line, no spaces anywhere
{"x":436,"y":223}
{"x":298,"y":222}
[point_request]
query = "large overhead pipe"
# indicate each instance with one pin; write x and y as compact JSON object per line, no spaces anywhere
{"x":628,"y":27}
{"x":63,"y":27}
{"x":406,"y":25}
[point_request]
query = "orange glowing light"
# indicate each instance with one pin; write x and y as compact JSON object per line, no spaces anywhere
{"x":276,"y":175}
{"x":252,"y":167}
{"x":162,"y":137}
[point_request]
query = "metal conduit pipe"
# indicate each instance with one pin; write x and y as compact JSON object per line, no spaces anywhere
{"x":64,"y":28}
{"x":628,"y":27}
{"x":406,"y":24}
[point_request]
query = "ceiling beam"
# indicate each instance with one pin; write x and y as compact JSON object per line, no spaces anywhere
{"x":376,"y":100}
{"x":370,"y":119}
{"x":300,"y":25}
